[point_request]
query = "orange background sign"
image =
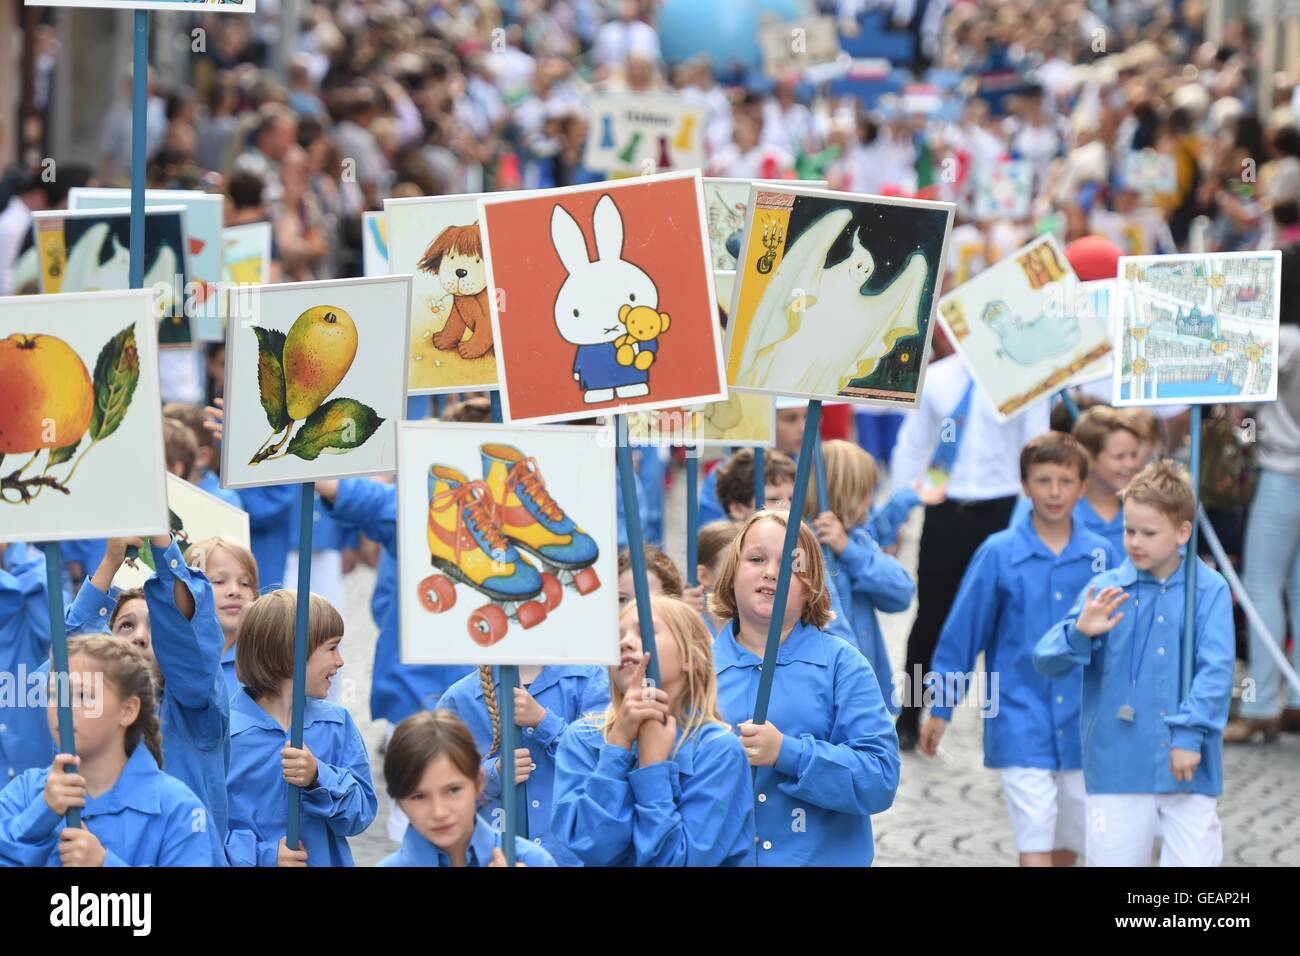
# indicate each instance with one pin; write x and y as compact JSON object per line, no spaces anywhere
{"x":662,"y":235}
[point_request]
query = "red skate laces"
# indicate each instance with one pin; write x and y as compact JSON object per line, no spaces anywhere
{"x":526,"y":478}
{"x":475,"y":509}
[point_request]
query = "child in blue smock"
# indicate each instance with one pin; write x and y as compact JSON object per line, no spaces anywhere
{"x":1113,"y":440}
{"x":332,"y":767}
{"x":432,"y":770}
{"x":132,"y":814}
{"x":546,"y":702}
{"x":24,"y":651}
{"x":1015,"y":588}
{"x":867,"y":579}
{"x":658,"y":779}
{"x":1152,"y":758}
{"x":827,"y":754}
{"x":712,"y":543}
{"x":231,"y":571}
{"x":173,"y":622}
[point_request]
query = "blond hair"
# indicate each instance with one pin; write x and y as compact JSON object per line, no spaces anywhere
{"x":490,"y":702}
{"x":130,"y":674}
{"x":810,"y":570}
{"x":205,"y":549}
{"x":698,"y":704}
{"x":1165,"y":486}
{"x":264,"y":643}
{"x":850,"y":483}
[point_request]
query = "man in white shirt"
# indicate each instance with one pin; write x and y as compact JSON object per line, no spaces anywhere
{"x":619,"y":39}
{"x":983,"y":483}
{"x":16,"y":224}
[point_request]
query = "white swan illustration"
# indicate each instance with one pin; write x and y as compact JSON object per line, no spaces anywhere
{"x":815,"y":329}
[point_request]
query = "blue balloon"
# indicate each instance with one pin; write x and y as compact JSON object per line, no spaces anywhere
{"x":726,"y":31}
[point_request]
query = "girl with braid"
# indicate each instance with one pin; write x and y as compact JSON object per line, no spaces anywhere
{"x":132,"y":814}
{"x":546,"y":702}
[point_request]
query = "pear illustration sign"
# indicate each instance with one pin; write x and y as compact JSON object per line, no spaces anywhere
{"x":79,"y":418}
{"x":317,"y":356}
{"x":507,"y":544}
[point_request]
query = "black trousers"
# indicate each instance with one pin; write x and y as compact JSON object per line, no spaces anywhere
{"x":953,"y":531}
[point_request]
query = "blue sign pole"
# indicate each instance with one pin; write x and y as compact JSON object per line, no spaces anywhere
{"x":692,"y":514}
{"x":306,"y":512}
{"x":59,"y":665}
{"x":636,"y":545}
{"x":1189,"y":575}
{"x":513,"y":795}
{"x":807,"y":453}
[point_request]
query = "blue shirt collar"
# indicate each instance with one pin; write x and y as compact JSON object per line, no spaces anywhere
{"x":136,"y":787}
{"x":246,"y":713}
{"x":1118,"y":520}
{"x":1027,"y":544}
{"x":803,"y":644}
{"x":422,"y":852}
{"x":1126,"y":575}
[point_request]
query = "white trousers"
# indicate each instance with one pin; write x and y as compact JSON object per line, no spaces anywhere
{"x":1046,"y":808}
{"x":1122,"y":829}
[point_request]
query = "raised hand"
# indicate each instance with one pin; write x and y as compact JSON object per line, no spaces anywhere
{"x":1095,"y":619}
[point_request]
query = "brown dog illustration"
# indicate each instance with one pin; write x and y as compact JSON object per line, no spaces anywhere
{"x":456,"y":258}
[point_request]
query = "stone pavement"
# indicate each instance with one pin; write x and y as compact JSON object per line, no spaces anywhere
{"x":949,"y":811}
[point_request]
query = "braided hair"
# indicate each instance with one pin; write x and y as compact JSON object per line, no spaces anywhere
{"x":129,"y":673}
{"x":493,"y":708}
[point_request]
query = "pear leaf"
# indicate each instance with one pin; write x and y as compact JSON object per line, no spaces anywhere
{"x":270,"y":376}
{"x":341,"y":424}
{"x":59,"y":455}
{"x":117,"y":372}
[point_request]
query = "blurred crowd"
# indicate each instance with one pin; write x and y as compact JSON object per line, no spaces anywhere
{"x":386,"y":99}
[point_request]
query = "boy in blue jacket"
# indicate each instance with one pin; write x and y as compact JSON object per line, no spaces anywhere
{"x":1152,"y":762}
{"x":1014,"y":589}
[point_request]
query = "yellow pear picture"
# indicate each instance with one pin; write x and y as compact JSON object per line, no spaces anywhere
{"x":297,"y":373}
{"x":317,"y":354}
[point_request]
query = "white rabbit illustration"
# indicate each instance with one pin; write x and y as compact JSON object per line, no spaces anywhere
{"x":587,"y":305}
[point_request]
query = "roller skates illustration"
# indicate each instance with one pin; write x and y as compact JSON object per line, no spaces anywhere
{"x":533,"y":522}
{"x":468,"y":545}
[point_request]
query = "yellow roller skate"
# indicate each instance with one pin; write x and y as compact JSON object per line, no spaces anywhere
{"x":533,"y":522}
{"x":467,"y":544}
